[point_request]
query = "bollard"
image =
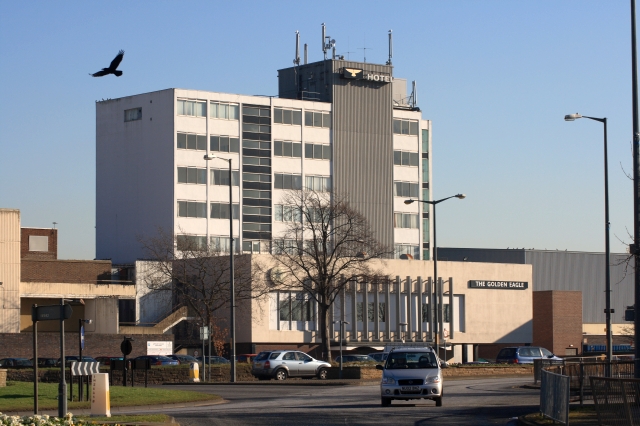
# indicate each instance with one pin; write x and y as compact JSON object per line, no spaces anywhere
{"x":100,"y":399}
{"x":194,"y":372}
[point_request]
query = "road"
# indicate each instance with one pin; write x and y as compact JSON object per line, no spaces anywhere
{"x":486,"y":401}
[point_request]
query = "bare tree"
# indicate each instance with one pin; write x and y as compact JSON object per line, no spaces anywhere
{"x":195,"y":272}
{"x":325,"y":245}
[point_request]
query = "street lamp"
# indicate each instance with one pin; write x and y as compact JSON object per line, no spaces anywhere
{"x":439,"y":328}
{"x":403,"y":328}
{"x":608,"y":311}
{"x":232,"y":327}
{"x":81,"y":323}
{"x":342,"y":323}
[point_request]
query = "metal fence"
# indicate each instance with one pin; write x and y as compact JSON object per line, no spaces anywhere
{"x":554,"y":396}
{"x":539,"y":364}
{"x":580,"y":372}
{"x":617,"y":400}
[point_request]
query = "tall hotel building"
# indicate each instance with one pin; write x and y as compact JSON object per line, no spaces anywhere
{"x":340,"y":125}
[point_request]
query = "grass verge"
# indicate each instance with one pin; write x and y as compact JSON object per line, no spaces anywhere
{"x":147,"y":418}
{"x":18,"y":396}
{"x":585,"y":415}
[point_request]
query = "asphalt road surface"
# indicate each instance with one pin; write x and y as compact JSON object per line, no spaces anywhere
{"x":486,"y":401}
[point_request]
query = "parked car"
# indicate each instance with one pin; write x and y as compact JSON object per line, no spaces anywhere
{"x":46,"y":362}
{"x":354,"y":358}
{"x":411,"y":373}
{"x":282,"y":364}
{"x":106,"y":360}
{"x":158,"y":360}
{"x":379,"y":356}
{"x":214,"y":360}
{"x":524,"y":355}
{"x":16,"y":363}
{"x":245,"y":357}
{"x":70,"y":358}
{"x":184,"y":359}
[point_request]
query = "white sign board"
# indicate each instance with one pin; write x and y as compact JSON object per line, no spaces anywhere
{"x":160,"y":348}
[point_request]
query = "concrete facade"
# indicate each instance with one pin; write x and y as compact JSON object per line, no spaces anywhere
{"x":10,"y":270}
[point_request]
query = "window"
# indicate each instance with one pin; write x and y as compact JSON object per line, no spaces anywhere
{"x":318,"y":183}
{"x":133,"y":114}
{"x":426,"y":312}
{"x":192,"y":175}
{"x":285,"y":246}
{"x":224,"y":144}
{"x":249,"y":246}
{"x":287,"y":116}
{"x":404,"y":158}
{"x":405,"y":220}
{"x":224,"y":110}
{"x":256,"y":128}
{"x":255,"y":177}
{"x":405,"y":127}
{"x":192,"y":108}
{"x":256,"y":227}
{"x":295,"y":306}
{"x":406,"y":249}
{"x":405,"y":189}
{"x":425,"y":140}
{"x":425,"y":194}
{"x":38,"y":243}
{"x":222,"y":243}
{"x":256,"y":161}
{"x":371,"y":311}
{"x":425,"y":170}
{"x":425,"y":230}
{"x":221,"y":211}
{"x":288,"y":181}
{"x":259,"y":211}
{"x":287,"y":149}
{"x":192,"y":141}
{"x":255,"y":193}
{"x":317,"y":119}
{"x":317,"y":151}
{"x":221,"y":177}
{"x":192,"y":209}
{"x":191,"y":242}
{"x":287,"y":213}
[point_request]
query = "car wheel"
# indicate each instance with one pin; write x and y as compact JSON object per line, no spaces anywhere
{"x":385,"y":402}
{"x":438,"y":401}
{"x":281,"y":375}
{"x":322,"y":374}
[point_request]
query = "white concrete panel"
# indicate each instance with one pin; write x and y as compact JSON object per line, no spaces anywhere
{"x":317,"y":167}
{"x":286,"y":165}
{"x":405,"y":143}
{"x":406,"y":174}
{"x":406,"y":236}
{"x":400,"y":206}
{"x":317,"y":134}
{"x":286,"y":132}
{"x":224,"y":127}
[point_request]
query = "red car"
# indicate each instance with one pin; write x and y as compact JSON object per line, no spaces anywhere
{"x":245,"y":357}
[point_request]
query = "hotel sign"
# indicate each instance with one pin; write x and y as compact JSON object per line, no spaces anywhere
{"x":360,"y":74}
{"x":499,"y":285}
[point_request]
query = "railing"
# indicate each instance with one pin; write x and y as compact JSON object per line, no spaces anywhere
{"x":554,"y":396}
{"x":580,"y":372}
{"x":539,"y":364}
{"x":617,"y":400}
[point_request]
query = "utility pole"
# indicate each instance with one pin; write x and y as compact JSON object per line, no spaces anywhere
{"x":636,"y":186}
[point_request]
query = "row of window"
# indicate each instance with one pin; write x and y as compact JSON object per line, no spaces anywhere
{"x":406,"y":189}
{"x":133,"y":114}
{"x":199,"y":210}
{"x":199,"y":242}
{"x":426,"y":312}
{"x":198,"y":176}
{"x":317,"y":119}
{"x":405,"y":220}
{"x":405,"y":127}
{"x":287,"y":116}
{"x":405,"y":158}
{"x":196,"y":108}
{"x":404,"y":250}
{"x":284,"y":213}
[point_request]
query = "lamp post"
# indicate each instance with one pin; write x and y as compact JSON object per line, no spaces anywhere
{"x":342,"y":323}
{"x":81,"y":323}
{"x":608,"y":311}
{"x":232,"y":326}
{"x":439,"y":328}
{"x":403,"y":328}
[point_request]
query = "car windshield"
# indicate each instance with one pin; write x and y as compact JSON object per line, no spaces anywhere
{"x":507,"y":353}
{"x":262,"y":356}
{"x":401,"y":360}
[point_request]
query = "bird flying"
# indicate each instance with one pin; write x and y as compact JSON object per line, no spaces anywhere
{"x":112,"y":68}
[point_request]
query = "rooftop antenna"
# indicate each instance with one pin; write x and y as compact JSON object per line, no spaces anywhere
{"x":54,"y":225}
{"x":390,"y":47}
{"x":334,"y":52}
{"x":297,"y":58}
{"x":305,"y":53}
{"x":365,"y":48}
{"x":414,"y":94}
{"x":327,"y":41}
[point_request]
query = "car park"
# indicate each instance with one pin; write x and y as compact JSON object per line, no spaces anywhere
{"x":354,"y":358}
{"x":16,"y":363}
{"x":524,"y":355}
{"x":184,"y":359}
{"x":245,"y":357}
{"x":411,"y":373}
{"x":281,"y":364}
{"x":214,"y":360}
{"x":46,"y":362}
{"x":106,"y":360}
{"x":379,"y":356}
{"x":158,"y":360}
{"x":72,"y":358}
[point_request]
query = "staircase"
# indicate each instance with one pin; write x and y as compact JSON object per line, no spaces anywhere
{"x":180,"y":314}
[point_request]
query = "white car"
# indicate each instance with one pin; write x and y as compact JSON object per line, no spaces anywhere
{"x":411,"y":373}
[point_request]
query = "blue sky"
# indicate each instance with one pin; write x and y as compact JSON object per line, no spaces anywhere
{"x":496,"y":78}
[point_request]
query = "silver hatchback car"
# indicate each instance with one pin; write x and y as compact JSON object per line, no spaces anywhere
{"x":411,"y":373}
{"x":282,"y":364}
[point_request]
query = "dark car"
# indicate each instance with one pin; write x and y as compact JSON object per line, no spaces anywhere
{"x":214,"y":360}
{"x":354,"y":358}
{"x":70,"y":358}
{"x":158,"y":360}
{"x":524,"y":355}
{"x":46,"y":362}
{"x":106,"y":360}
{"x":16,"y":363}
{"x":184,"y":359}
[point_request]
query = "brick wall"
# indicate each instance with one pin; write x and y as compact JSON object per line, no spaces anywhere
{"x":65,"y":271}
{"x":20,"y":345}
{"x":52,"y":253}
{"x":557,"y":320}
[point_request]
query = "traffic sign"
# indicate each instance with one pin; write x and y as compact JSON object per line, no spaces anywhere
{"x":82,"y":337}
{"x":204,"y":333}
{"x":51,"y":312}
{"x":126,"y":347}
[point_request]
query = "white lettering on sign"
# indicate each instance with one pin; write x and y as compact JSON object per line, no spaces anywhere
{"x":379,"y":78}
{"x":508,"y":285}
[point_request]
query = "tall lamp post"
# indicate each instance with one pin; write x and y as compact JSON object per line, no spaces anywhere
{"x":439,"y":328}
{"x":81,"y":323}
{"x":608,"y":311}
{"x":232,"y":326}
{"x":342,"y":323}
